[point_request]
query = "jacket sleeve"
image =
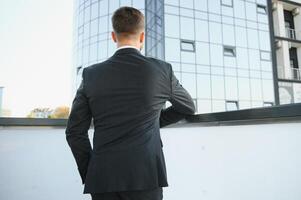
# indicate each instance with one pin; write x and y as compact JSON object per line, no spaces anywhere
{"x":77,"y":130}
{"x":182,"y":103}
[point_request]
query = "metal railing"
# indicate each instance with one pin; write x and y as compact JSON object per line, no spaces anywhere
{"x":296,"y":73}
{"x":293,"y":34}
{"x":290,"y":33}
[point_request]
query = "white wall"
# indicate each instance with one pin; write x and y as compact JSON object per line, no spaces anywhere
{"x":259,"y":162}
{"x":247,"y":162}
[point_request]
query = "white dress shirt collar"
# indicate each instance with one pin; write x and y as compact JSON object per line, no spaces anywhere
{"x":127,"y":46}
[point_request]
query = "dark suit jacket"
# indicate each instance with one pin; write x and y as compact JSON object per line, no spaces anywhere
{"x":124,"y":96}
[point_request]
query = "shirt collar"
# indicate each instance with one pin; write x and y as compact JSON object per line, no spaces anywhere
{"x":127,"y":46}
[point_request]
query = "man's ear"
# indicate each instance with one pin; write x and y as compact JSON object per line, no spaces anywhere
{"x":114,"y":36}
{"x":142,"y":35}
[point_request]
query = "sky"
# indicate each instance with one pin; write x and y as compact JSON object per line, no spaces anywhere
{"x":35,"y":54}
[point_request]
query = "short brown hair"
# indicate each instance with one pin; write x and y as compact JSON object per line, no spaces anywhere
{"x":127,"y":21}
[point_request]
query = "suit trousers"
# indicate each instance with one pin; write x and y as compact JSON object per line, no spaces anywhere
{"x":151,"y":194}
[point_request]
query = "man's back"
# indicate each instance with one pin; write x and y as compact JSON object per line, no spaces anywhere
{"x":125,"y":96}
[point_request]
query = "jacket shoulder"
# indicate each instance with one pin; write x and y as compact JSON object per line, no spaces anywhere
{"x":166,"y":66}
{"x":93,"y":67}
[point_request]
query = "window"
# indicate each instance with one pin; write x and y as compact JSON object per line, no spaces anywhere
{"x":203,"y":86}
{"x":94,"y":11}
{"x":253,"y":40}
{"x":81,"y":30}
{"x":86,"y":31}
{"x":267,"y":104}
{"x":201,"y":30}
{"x":231,"y":87}
{"x":187,"y":28}
{"x":264,"y":40}
{"x":254,"y":59}
{"x":228,"y":35}
{"x":218,"y":87}
{"x":94,"y":28}
{"x":239,"y":9}
{"x":93,"y":52}
{"x":250,"y":11}
{"x":215,"y":30}
{"x":170,"y":9}
{"x":187,"y":45}
{"x":104,"y":6}
{"x":261,"y":9}
{"x":265,"y":55}
{"x":242,"y":58}
{"x":80,"y":18}
{"x":202,"y":53}
{"x":173,"y":49}
{"x":214,"y":6}
{"x":186,"y":3}
{"x":244,"y":92}
{"x":103,"y":24}
{"x":216,"y":55}
{"x":228,"y":3}
{"x":229,"y":51}
{"x":231,"y":105}
{"x":256,"y":89}
{"x":172,"y":28}
{"x":102,"y":49}
{"x":87,"y":14}
{"x":189,"y":83}
{"x":171,"y":2}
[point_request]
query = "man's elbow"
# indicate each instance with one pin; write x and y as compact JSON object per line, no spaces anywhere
{"x":191,"y":109}
{"x":187,"y":109}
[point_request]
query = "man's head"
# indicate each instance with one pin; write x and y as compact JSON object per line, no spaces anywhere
{"x":128,"y":26}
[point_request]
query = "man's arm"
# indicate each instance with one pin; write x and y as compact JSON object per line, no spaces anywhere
{"x":77,"y":130}
{"x":182,"y":103}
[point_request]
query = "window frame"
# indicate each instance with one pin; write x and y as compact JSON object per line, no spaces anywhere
{"x":260,"y":7}
{"x":233,"y":48}
{"x":192,"y":42}
{"x":231,"y":101}
{"x":265,"y":104}
{"x":226,"y":5}
{"x":263,"y":59}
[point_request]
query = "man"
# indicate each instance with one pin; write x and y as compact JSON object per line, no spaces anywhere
{"x":125,"y":95}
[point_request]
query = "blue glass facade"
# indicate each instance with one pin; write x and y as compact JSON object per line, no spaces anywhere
{"x":220,"y":50}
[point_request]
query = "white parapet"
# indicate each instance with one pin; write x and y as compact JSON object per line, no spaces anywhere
{"x":246,"y":162}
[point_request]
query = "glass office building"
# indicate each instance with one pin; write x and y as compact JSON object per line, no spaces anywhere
{"x":220,"y":50}
{"x":92,"y":32}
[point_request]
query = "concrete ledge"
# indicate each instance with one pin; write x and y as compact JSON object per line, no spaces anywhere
{"x":274,"y":114}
